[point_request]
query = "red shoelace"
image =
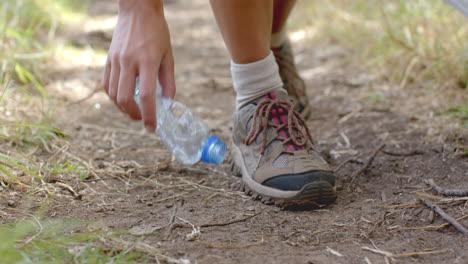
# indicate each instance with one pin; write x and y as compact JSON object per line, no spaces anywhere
{"x":297,"y":132}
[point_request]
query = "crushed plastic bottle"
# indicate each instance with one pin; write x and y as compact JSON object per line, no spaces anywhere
{"x":184,"y":133}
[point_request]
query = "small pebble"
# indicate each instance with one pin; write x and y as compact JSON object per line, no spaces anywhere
{"x":250,"y":208}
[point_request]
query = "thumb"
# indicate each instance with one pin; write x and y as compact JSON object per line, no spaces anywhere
{"x":166,"y":76}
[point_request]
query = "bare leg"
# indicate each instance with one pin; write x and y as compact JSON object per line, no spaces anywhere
{"x":281,"y":11}
{"x":245,"y":26}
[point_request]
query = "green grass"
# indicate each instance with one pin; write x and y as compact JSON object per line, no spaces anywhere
{"x":31,"y":144}
{"x":27,"y":32}
{"x":374,"y":98}
{"x":61,"y":241}
{"x":68,"y":167}
{"x":415,"y":43}
{"x":22,"y":49}
{"x":460,"y":113}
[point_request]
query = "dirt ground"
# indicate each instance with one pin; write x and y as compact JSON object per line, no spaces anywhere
{"x":135,"y":188}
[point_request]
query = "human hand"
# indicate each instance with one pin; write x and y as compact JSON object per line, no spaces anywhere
{"x":140,"y":47}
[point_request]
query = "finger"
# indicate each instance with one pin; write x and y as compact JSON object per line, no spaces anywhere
{"x":148,"y":79}
{"x":166,"y":76}
{"x":106,"y":76}
{"x":126,"y":91}
{"x":114,"y":80}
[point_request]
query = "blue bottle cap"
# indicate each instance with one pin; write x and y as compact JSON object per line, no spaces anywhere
{"x":214,"y":151}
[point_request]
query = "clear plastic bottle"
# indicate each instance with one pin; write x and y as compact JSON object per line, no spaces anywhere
{"x":184,"y":133}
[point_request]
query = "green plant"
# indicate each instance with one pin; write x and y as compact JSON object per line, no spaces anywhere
{"x":61,"y":241}
{"x":68,"y":167}
{"x":459,"y":112}
{"x":27,"y":28}
{"x":414,"y":43}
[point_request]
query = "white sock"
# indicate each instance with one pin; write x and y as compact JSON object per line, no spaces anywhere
{"x":278,"y":38}
{"x":253,"y":80}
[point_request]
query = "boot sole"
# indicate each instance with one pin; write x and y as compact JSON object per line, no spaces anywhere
{"x":312,"y":195}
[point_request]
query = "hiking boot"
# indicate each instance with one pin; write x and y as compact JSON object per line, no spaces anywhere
{"x":273,"y":150}
{"x":293,"y":83}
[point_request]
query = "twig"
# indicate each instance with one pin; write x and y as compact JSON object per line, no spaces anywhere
{"x":96,"y":180}
{"x":441,"y":199}
{"x":408,"y":71}
{"x":429,"y":196}
{"x":38,"y":233}
{"x":446,"y":192}
{"x":195,"y":231}
{"x":412,"y":254}
{"x":91,"y":94}
{"x":447,"y":217}
{"x":205,"y":201}
{"x":121,"y":245}
{"x":65,"y":147}
{"x":231,"y":222}
{"x":170,"y":225}
{"x":348,"y":116}
{"x":403,"y":154}
{"x":334,"y":252}
{"x":431,"y":227}
{"x":366,"y":259}
{"x":170,"y":197}
{"x":342,"y":164}
{"x":378,"y":251}
{"x":405,"y":205}
{"x":366,"y":165}
{"x":69,"y":189}
{"x":209,"y":245}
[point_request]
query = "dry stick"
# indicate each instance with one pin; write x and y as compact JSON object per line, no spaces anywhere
{"x":232,"y":222}
{"x":366,"y":259}
{"x":429,"y":196}
{"x":403,"y":154}
{"x":334,"y":252}
{"x":69,"y":189}
{"x":431,"y":227}
{"x":342,"y":164}
{"x":408,"y":71}
{"x":366,"y":165}
{"x":38,"y":233}
{"x":441,"y":199}
{"x":405,"y":205}
{"x":446,"y":192}
{"x":447,"y":217}
{"x":378,"y":251}
{"x":91,"y":94}
{"x":412,"y":254}
{"x":170,"y":226}
{"x":121,"y":245}
{"x":170,"y":197}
